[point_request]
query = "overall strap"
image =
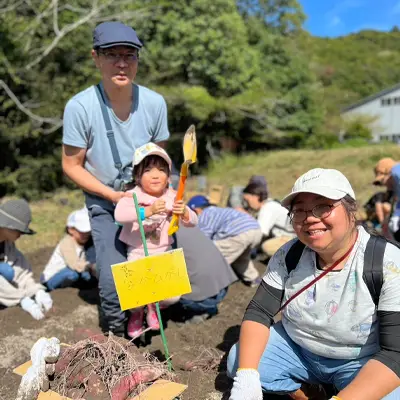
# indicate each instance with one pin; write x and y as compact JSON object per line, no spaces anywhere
{"x":373,"y":266}
{"x":293,"y":255}
{"x":110,"y":132}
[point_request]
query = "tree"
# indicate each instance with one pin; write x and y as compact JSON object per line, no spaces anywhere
{"x":44,"y":60}
{"x":284,"y":17}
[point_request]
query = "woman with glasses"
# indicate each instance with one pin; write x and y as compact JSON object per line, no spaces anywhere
{"x":331,"y":331}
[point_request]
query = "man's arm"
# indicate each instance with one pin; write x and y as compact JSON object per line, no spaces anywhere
{"x":72,"y":164}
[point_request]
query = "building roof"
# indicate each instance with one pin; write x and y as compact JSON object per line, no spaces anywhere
{"x":371,"y":98}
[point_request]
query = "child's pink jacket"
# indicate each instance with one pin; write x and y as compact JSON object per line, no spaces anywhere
{"x":155,"y":227}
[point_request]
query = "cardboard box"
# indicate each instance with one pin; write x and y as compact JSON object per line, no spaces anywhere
{"x":159,"y":390}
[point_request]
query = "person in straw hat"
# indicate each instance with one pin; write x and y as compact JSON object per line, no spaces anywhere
{"x":387,"y":173}
{"x":17,"y":285}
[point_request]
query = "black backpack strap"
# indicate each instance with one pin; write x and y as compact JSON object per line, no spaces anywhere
{"x":293,"y":255}
{"x":373,"y":266}
{"x":110,"y":132}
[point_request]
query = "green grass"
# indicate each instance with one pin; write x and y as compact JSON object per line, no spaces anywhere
{"x":281,"y":168}
{"x":49,"y":218}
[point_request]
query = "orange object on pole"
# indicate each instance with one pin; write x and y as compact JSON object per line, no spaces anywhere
{"x":190,"y":157}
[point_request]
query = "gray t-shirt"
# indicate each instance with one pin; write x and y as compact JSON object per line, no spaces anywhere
{"x":84,"y":128}
{"x":336,"y":317}
{"x":207,"y":268}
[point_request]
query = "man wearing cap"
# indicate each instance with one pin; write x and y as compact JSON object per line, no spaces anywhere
{"x":17,"y":285}
{"x":387,"y":173}
{"x":103,"y":125}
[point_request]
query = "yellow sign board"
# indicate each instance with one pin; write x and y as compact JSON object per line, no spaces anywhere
{"x":151,"y":279}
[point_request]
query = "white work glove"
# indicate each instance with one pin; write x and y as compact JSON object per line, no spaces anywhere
{"x":394,"y":223}
{"x":44,"y":300}
{"x":28,"y":305}
{"x":36,"y":379}
{"x":246,"y":385}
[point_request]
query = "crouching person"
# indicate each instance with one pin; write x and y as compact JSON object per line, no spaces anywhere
{"x":74,"y":257}
{"x":209,"y":274}
{"x":235,"y":234}
{"x":17,"y":285}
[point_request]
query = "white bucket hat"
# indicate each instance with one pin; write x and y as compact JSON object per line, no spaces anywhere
{"x":329,"y":183}
{"x":79,"y":220}
{"x":150,"y":149}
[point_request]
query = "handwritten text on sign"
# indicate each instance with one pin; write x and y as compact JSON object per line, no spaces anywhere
{"x":151,"y":279}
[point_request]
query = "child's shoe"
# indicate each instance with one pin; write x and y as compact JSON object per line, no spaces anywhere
{"x":152,"y":319}
{"x":135,"y":323}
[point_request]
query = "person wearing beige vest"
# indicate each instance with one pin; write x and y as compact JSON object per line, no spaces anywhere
{"x":74,"y":257}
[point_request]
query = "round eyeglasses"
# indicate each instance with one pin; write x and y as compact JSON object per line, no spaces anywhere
{"x":116,"y":57}
{"x":320,"y":211}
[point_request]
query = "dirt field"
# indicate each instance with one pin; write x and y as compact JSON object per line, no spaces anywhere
{"x":75,"y":316}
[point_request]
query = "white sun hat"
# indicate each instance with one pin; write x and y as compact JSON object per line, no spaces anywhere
{"x":149,"y":149}
{"x":329,"y":183}
{"x":79,"y":220}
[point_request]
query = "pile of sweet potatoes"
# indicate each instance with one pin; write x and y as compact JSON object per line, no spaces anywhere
{"x":103,"y":368}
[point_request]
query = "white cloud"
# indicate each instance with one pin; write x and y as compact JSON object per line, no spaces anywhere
{"x":335,"y":21}
{"x":333,"y":16}
{"x":343,"y":6}
{"x":396,"y":8}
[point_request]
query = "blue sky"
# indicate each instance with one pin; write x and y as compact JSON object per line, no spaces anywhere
{"x":340,"y":17}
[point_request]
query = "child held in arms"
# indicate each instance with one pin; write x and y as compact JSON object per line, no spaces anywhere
{"x":152,"y":169}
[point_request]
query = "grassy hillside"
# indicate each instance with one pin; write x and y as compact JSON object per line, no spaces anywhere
{"x":281,"y":169}
{"x":355,"y":66}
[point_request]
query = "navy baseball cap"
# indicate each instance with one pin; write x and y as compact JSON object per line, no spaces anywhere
{"x":113,"y":33}
{"x":198,"y":201}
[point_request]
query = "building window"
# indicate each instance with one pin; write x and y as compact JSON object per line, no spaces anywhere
{"x":389,"y":101}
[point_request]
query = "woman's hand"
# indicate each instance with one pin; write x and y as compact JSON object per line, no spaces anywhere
{"x":158,"y":207}
{"x":246,"y":385}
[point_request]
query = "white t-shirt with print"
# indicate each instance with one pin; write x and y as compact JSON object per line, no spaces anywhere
{"x":336,"y":317}
{"x":274,"y":220}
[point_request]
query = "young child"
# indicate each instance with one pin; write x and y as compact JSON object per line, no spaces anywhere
{"x":235,"y":233}
{"x":152,"y":169}
{"x":17,"y":285}
{"x":74,"y":257}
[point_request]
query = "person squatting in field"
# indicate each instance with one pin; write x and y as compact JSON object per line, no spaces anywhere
{"x":387,"y":173}
{"x":17,"y":284}
{"x":74,"y":258}
{"x":335,"y":328}
{"x":97,"y":152}
{"x":235,"y":233}
{"x":152,"y":169}
{"x":271,"y":215}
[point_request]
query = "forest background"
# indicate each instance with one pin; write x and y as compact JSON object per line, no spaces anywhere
{"x":245,"y":72}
